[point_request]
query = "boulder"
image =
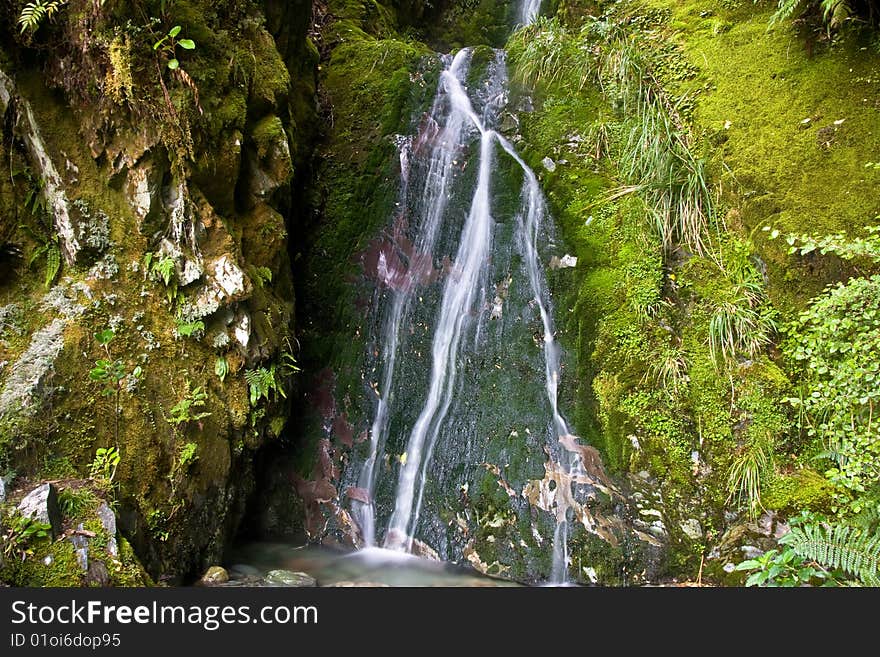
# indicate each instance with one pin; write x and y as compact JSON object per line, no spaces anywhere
{"x":214,"y":575}
{"x":289,"y":578}
{"x":108,"y":521}
{"x":42,"y":505}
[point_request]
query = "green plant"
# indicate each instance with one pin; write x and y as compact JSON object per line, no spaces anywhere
{"x":836,"y":342}
{"x":33,"y":13}
{"x":76,"y":502}
{"x":187,"y":409}
{"x":261,"y":275}
{"x":40,"y":230}
{"x":262,"y":382}
{"x":168,"y":44}
{"x":838,"y":546}
{"x":780,"y":568}
{"x":19,"y":533}
{"x":111,"y":373}
{"x":157,"y":522}
{"x":287,"y":360}
{"x":162,"y":267}
{"x":834,"y":13}
{"x":221,"y":368}
{"x":668,"y":368}
{"x":746,"y":474}
{"x":186,"y":455}
{"x":188,"y":329}
{"x":105,"y":463}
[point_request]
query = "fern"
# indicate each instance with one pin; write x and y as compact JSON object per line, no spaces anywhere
{"x":838,"y":546}
{"x":261,"y":275}
{"x":261,"y":383}
{"x":53,"y":262}
{"x":33,"y":13}
{"x":785,"y":10}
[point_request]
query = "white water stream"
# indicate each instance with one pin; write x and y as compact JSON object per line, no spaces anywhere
{"x":455,"y":121}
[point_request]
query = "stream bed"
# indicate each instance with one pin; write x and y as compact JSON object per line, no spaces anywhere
{"x":368,"y":567}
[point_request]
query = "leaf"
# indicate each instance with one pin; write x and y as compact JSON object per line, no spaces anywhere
{"x":755,"y":579}
{"x":105,"y":336}
{"x":174,"y":31}
{"x":173,"y":64}
{"x":187,"y":44}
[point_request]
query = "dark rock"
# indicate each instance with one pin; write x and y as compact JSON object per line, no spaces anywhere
{"x":42,"y":505}
{"x":97,"y":575}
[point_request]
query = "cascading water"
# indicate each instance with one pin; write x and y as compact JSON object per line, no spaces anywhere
{"x":437,"y":158}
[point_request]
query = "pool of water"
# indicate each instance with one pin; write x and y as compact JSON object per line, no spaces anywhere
{"x":372,"y":566}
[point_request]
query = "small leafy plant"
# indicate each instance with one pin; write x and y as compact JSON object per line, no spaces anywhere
{"x":105,"y":463}
{"x":19,"y":533}
{"x":186,"y":456}
{"x":262,"y":382}
{"x":168,"y":44}
{"x":781,"y":568}
{"x":221,"y":368}
{"x":189,"y":329}
{"x":187,"y":409}
{"x":161,"y":267}
{"x":111,"y":373}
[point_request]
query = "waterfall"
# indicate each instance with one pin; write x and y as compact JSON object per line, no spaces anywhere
{"x":439,"y":151}
{"x":434,"y":197}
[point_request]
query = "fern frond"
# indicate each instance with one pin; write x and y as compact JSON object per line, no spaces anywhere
{"x":838,"y":546}
{"x":33,"y":13}
{"x":53,"y":262}
{"x":786,"y":9}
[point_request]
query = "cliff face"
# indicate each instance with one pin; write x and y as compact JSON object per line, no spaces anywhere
{"x":146,"y":278}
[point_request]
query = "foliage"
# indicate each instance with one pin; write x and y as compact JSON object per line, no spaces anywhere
{"x":546,"y":52}
{"x":221,"y":368}
{"x":19,"y":532}
{"x":743,"y":325}
{"x":746,"y":474}
{"x":48,"y":242}
{"x":836,"y":243}
{"x":835,"y":13}
{"x":168,"y":44}
{"x":74,"y":503}
{"x":33,"y":13}
{"x":161,"y":267}
{"x":261,"y":275}
{"x":668,"y":368}
{"x":262,"y":382}
{"x":838,"y":546}
{"x":188,"y":329}
{"x":780,"y":568}
{"x":186,"y":455}
{"x":187,"y":409}
{"x":837,"y":342}
{"x":105,"y":463}
{"x":111,"y":373}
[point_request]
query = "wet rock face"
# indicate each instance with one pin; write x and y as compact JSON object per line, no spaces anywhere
{"x":175,"y":200}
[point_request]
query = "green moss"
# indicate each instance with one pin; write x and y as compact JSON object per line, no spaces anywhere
{"x":52,"y":563}
{"x":802,"y":489}
{"x":773,"y":99}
